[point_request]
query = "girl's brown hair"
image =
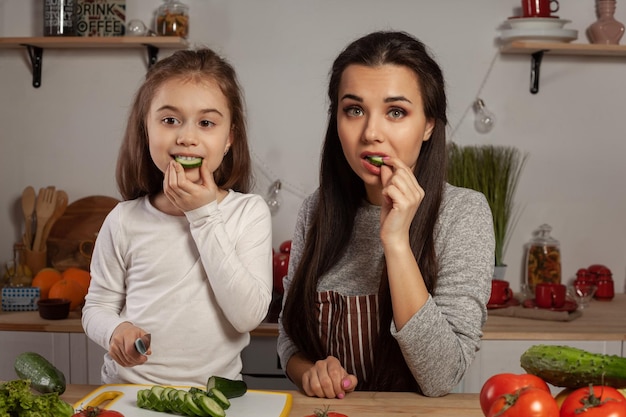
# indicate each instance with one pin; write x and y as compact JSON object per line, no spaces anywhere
{"x":341,"y":192}
{"x":136,"y":173}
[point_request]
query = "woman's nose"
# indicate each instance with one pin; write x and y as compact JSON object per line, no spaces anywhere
{"x":372,"y":132}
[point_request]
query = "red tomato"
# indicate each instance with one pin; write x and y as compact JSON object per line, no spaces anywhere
{"x":325,"y":413}
{"x":526,"y":402}
{"x":501,"y":384}
{"x":601,"y":401}
{"x":97,"y":412}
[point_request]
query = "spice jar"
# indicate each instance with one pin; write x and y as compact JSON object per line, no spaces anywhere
{"x":172,"y":19}
{"x":543,"y":259}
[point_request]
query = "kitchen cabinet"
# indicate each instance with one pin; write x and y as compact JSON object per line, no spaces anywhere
{"x":537,"y":50}
{"x":36,"y":45}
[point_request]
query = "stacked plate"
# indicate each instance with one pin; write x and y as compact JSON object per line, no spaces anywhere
{"x":537,"y":29}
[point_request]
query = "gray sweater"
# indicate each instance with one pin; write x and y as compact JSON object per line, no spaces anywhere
{"x":440,"y":341}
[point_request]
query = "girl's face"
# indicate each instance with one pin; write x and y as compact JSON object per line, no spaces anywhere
{"x":380,"y":112}
{"x":189,"y":117}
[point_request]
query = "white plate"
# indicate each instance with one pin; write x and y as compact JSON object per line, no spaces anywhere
{"x":536,"y":23}
{"x":553,"y":35}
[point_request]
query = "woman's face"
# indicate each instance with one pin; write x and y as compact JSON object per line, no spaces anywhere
{"x":380,"y":112}
{"x":189,"y":118}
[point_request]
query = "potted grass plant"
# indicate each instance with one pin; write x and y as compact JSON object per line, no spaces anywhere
{"x":494,"y":171}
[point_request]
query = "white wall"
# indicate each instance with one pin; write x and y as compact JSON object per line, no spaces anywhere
{"x":67,"y":132}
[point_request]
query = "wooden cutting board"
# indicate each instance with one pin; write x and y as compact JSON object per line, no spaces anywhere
{"x":253,"y":403}
{"x":83,"y":218}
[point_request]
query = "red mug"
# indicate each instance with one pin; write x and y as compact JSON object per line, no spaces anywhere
{"x":539,"y":8}
{"x":550,"y":295}
{"x":501,"y":293}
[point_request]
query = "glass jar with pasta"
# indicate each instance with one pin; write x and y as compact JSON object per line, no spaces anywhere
{"x":543,"y":259}
{"x":172,"y":19}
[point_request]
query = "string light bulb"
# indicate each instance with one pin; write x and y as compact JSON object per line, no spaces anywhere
{"x":273,"y":197}
{"x":484,"y":121}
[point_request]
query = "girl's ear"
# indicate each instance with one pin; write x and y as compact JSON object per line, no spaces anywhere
{"x":229,"y":141}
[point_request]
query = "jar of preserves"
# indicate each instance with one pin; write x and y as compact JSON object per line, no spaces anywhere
{"x":172,"y":19}
{"x":543,"y":259}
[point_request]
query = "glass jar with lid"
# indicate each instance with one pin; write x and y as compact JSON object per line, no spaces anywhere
{"x":172,"y":19}
{"x":543,"y":259}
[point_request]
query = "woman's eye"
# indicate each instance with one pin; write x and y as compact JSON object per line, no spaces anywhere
{"x":396,"y":113}
{"x":354,"y":111}
{"x":206,"y":123}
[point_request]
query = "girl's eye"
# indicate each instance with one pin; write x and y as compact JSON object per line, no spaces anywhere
{"x":396,"y":113}
{"x":169,"y":120}
{"x":353,"y":111}
{"x":206,"y":123}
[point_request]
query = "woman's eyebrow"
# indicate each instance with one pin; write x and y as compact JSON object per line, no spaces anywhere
{"x":397,"y":98}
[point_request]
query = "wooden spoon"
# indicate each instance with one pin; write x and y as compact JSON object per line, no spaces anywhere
{"x":28,"y":208}
{"x":44,"y":209}
{"x":59,"y":209}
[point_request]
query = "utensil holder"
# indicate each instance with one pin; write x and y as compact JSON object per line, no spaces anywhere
{"x":36,"y":260}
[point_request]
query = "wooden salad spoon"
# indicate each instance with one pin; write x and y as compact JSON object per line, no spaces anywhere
{"x":61,"y":204}
{"x":28,"y":208}
{"x":44,"y":209}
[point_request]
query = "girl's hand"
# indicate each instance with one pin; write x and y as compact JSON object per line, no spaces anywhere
{"x":402,"y":196}
{"x":328,"y":379}
{"x":185,"y":194}
{"x":122,"y":345}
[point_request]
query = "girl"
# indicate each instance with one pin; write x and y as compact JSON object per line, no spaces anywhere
{"x":184,"y":263}
{"x":389,"y":264}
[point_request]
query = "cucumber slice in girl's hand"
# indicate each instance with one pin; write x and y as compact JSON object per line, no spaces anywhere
{"x":188,"y":161}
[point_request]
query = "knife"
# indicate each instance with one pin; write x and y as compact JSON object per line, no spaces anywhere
{"x":143,"y":343}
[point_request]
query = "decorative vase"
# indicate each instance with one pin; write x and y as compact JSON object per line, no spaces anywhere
{"x":499,"y":271}
{"x":606,"y":30}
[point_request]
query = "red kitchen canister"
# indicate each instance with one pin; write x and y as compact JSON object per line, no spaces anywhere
{"x":605,"y":288}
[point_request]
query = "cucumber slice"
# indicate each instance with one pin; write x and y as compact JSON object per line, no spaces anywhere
{"x":188,"y":162}
{"x":142,"y":398}
{"x":209,"y":405}
{"x":229,"y":387}
{"x":154,"y":398}
{"x":219,"y":398}
{"x":375,"y":160}
{"x":193,"y":407}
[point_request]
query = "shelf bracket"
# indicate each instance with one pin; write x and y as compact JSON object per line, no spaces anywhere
{"x":535,"y":65}
{"x":36,"y":55}
{"x":153,"y":53}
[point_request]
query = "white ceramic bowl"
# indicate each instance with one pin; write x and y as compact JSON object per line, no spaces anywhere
{"x":536,"y":22}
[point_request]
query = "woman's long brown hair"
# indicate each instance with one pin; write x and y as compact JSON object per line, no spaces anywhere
{"x":341,"y":192}
{"x":136,"y":174}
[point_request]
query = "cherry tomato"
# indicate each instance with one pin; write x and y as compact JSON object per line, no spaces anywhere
{"x":526,"y":402}
{"x":97,"y":412}
{"x":594,"y":401}
{"x":325,"y":413}
{"x":501,"y":384}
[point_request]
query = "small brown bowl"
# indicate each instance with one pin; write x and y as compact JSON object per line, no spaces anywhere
{"x":54,"y":308}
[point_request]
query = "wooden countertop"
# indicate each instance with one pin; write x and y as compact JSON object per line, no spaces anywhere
{"x":361,"y":404}
{"x":602,"y":320}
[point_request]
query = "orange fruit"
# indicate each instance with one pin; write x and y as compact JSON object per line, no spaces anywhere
{"x":70,"y":289}
{"x":44,"y":280}
{"x":79,"y":275}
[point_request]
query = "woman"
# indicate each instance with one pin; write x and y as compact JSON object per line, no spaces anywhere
{"x":390,"y":266}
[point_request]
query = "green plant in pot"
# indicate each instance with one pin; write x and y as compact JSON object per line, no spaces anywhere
{"x":494,"y":171}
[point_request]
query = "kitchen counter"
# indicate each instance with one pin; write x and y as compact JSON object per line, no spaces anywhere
{"x":362,"y":404}
{"x":602,"y":320}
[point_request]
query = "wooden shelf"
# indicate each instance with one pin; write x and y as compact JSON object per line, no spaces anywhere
{"x":36,"y":45}
{"x":560,"y":48}
{"x":537,"y":49}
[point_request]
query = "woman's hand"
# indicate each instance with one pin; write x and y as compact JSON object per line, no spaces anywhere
{"x":185,"y":194}
{"x":328,"y":379}
{"x":122,"y":345}
{"x":402,"y":196}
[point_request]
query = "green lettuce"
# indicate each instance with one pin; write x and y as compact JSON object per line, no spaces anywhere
{"x":17,"y":400}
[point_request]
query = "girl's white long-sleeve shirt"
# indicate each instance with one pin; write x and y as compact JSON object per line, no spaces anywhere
{"x":197,"y":283}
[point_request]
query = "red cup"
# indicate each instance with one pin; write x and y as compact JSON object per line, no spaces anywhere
{"x":539,"y":8}
{"x":550,"y":295}
{"x":501,"y":293}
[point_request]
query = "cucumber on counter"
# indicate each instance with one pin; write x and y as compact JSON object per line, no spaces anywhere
{"x":565,"y":366}
{"x":229,"y":387}
{"x":44,"y":377}
{"x":192,"y":402}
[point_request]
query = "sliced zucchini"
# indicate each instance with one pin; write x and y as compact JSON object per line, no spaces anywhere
{"x":229,"y":387}
{"x":188,"y":161}
{"x":219,"y":398}
{"x":193,"y":407}
{"x":154,"y":398}
{"x":209,"y":405}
